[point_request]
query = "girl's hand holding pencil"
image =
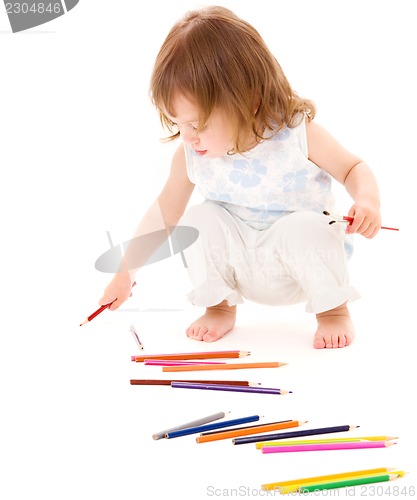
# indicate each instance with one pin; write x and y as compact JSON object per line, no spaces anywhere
{"x":117,"y":291}
{"x":364,"y":219}
{"x":366,"y":226}
{"x":110,"y":303}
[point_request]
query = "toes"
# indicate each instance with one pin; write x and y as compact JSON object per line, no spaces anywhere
{"x":212,"y":336}
{"x":349,"y":338}
{"x":343,"y":341}
{"x":335,"y":341}
{"x":331,"y":341}
{"x":196,"y":332}
{"x":328,"y":340}
{"x":319,"y":343}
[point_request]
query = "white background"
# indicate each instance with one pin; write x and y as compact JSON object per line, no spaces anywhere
{"x":80,"y":155}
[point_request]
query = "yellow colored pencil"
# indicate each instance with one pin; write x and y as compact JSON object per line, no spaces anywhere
{"x":223,"y":366}
{"x":294,"y":484}
{"x":330,"y":440}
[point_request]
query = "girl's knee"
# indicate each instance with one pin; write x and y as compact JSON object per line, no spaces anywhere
{"x":200,"y":215}
{"x":306,"y":229}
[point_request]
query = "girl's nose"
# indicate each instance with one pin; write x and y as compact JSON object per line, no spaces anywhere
{"x":190,"y":136}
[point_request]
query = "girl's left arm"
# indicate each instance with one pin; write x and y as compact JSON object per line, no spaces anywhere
{"x":353,"y":173}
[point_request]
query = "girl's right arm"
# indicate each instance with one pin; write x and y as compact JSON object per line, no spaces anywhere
{"x":166,"y":211}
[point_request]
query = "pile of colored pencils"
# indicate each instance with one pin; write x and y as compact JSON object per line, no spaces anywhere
{"x":192,"y":361}
{"x":210,"y":428}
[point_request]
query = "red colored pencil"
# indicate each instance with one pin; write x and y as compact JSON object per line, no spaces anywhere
{"x":95,"y":313}
{"x":99,"y":310}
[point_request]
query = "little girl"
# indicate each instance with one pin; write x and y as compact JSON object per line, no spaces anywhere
{"x":264,"y":167}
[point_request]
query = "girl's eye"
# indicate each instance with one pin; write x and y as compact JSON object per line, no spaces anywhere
{"x":196,"y":128}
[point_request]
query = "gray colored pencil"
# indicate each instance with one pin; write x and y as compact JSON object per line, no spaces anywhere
{"x":136,"y":337}
{"x":194,"y":423}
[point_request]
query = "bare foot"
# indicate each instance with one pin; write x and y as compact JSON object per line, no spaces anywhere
{"x":335,"y":329}
{"x":214,"y":324}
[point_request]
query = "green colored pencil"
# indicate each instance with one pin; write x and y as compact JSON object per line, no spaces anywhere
{"x":348,"y":482}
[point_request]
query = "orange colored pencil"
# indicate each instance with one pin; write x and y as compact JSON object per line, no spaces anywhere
{"x":224,"y":366}
{"x":248,"y":431}
{"x":193,"y":355}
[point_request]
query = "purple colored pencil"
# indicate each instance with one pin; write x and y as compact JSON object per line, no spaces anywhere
{"x":231,"y":388}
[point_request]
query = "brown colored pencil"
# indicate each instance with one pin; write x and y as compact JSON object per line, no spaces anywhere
{"x":168,"y":382}
{"x":193,"y":355}
{"x":248,"y":431}
{"x":225,"y":366}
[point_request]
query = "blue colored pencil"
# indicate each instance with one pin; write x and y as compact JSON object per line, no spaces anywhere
{"x":209,"y":427}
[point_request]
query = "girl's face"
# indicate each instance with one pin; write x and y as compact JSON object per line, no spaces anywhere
{"x":214,"y":140}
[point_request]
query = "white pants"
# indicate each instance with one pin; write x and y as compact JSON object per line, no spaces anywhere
{"x":300,"y":258}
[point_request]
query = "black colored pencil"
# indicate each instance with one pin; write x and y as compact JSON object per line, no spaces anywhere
{"x":293,"y":434}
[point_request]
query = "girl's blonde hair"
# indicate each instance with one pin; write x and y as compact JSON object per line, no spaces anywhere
{"x":217,"y":60}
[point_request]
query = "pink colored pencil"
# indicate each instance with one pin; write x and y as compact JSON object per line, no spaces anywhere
{"x":162,"y":362}
{"x":327,"y":446}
